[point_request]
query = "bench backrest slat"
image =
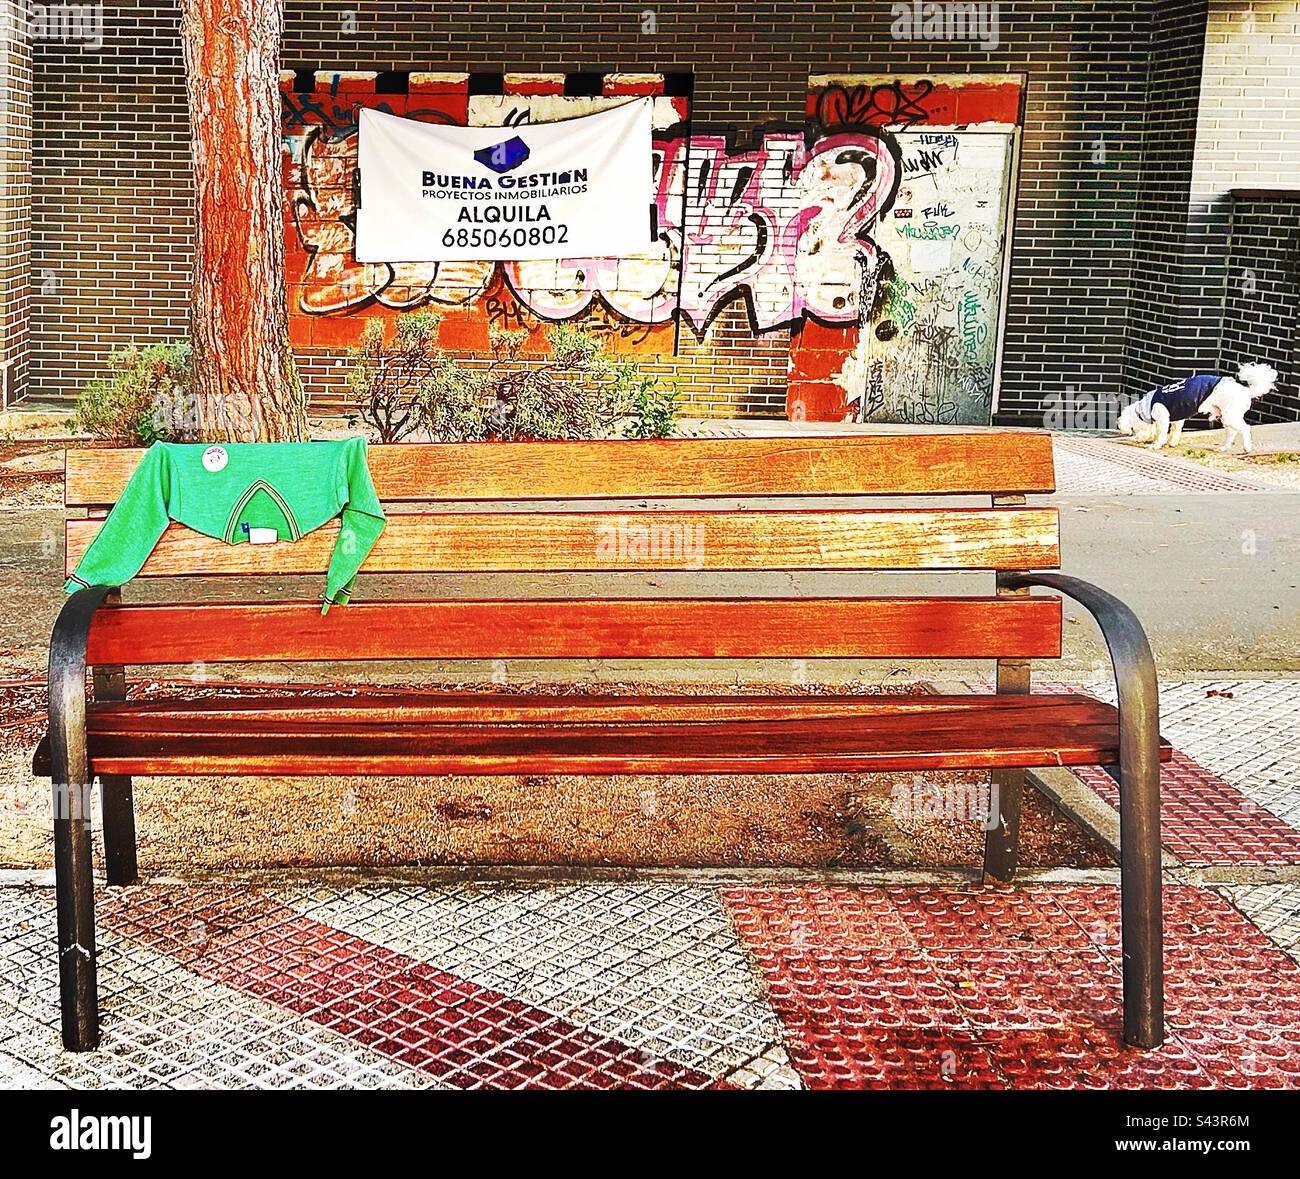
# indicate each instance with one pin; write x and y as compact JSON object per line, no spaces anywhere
{"x":795,"y":628}
{"x":955,"y":538}
{"x":890,"y":464}
{"x":526,"y":508}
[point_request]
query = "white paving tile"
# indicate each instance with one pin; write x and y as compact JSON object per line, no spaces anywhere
{"x":164,"y":1026}
{"x":656,"y":966}
{"x":1275,"y":908}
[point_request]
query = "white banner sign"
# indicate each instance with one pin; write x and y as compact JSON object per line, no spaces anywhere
{"x":581,"y":188}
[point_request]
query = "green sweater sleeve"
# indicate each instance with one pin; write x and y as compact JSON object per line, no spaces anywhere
{"x":127,"y":537}
{"x":362,"y":522}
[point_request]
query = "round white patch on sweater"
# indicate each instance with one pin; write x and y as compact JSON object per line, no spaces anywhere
{"x":215,"y":459}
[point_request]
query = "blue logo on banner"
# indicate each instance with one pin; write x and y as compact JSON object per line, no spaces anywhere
{"x":503,"y":157}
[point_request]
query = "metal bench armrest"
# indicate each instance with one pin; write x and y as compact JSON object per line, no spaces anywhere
{"x":1130,"y":651}
{"x":67,"y":679}
{"x":1139,"y":779}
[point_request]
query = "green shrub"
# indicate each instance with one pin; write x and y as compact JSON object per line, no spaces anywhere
{"x":387,"y":376}
{"x":575,"y":390}
{"x":145,"y":398}
{"x":653,"y":412}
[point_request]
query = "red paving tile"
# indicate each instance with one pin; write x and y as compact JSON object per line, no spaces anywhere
{"x":398,"y":1006}
{"x":902,"y":1058}
{"x":1205,"y":820}
{"x":1031,"y":989}
{"x":1020,"y":919}
{"x":1018,"y":989}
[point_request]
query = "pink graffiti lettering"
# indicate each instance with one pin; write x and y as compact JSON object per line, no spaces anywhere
{"x":784,"y":226}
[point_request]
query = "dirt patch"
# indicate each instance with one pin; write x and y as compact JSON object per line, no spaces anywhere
{"x":31,"y":474}
{"x":1281,"y":468}
{"x":804,"y":820}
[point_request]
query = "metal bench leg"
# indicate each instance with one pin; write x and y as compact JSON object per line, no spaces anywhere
{"x":1002,"y":839}
{"x":1140,"y":883}
{"x":1139,"y":804}
{"x":74,"y":883}
{"x":69,"y":771}
{"x":75,"y":895}
{"x":116,"y":794}
{"x":118,"y":800}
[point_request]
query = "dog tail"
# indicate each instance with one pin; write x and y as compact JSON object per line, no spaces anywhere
{"x":1258,"y":378}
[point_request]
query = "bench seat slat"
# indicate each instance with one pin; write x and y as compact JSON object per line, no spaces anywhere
{"x":385,"y":708}
{"x":961,"y":733}
{"x":707,"y":628}
{"x":955,"y":538}
{"x":890,"y":464}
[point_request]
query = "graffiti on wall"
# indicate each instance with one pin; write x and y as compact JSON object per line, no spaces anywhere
{"x":783,"y":228}
{"x":795,"y":229}
{"x":932,"y":340}
{"x":925,"y":350}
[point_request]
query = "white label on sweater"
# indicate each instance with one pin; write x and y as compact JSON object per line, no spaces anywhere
{"x":215,"y":459}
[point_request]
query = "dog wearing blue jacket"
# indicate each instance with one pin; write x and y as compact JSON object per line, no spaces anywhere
{"x":1159,"y":416}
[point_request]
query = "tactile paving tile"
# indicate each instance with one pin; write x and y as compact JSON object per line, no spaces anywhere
{"x":166,"y":1026}
{"x":1232,"y":998}
{"x":656,"y":965}
{"x":1246,"y":731}
{"x":1204,"y":820}
{"x":1085,"y":474}
{"x":1236,"y":780}
{"x":1014,"y":989}
{"x":901,"y":987}
{"x":1165,"y":471}
{"x":468,"y":1036}
{"x":1273,"y":908}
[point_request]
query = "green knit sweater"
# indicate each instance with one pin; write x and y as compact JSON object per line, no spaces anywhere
{"x":225,"y":491}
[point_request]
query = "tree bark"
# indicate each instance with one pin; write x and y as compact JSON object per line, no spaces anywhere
{"x":246,"y":383}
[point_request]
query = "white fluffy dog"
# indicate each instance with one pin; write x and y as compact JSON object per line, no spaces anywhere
{"x":1159,"y":416}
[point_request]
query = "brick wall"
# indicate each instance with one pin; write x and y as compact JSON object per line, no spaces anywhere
{"x":111,"y":198}
{"x":15,"y":197}
{"x":112,"y":195}
{"x":1248,"y":136}
{"x":1160,"y":320}
{"x":1261,"y":316}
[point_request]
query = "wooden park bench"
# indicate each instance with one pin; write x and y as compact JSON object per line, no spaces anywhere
{"x":731,"y":524}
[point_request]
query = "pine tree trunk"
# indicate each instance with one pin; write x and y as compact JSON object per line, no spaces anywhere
{"x":246,"y":383}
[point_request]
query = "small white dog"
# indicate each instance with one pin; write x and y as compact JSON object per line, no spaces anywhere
{"x":1159,"y":416}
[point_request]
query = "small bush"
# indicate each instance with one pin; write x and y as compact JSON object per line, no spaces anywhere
{"x":653,"y":412}
{"x":575,"y":390}
{"x":388,"y":377}
{"x":143,"y":400}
